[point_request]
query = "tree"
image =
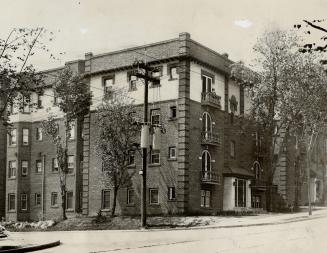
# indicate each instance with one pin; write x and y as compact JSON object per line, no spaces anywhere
{"x":18,"y":77}
{"x":115,"y":143}
{"x":74,"y":100}
{"x":287,"y":94}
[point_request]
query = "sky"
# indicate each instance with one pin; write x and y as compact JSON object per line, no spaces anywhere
{"x":101,"y":26}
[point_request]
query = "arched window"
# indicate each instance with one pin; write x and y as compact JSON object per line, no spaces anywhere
{"x":206,"y":123}
{"x":257,"y":169}
{"x":206,"y":161}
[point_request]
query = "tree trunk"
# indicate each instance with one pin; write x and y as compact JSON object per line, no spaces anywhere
{"x":114,"y":202}
{"x":63,"y":204}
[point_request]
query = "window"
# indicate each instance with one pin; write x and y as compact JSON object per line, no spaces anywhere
{"x":71,"y":163}
{"x":24,"y":171}
{"x":25,"y":136}
{"x":206,"y":125}
{"x":257,"y":171}
{"x":154,"y":196}
{"x":240,"y":192}
{"x":11,"y":202}
{"x":55,"y":167}
{"x":54,"y":198}
{"x":130,"y":196}
{"x":108,"y":83}
{"x":105,"y":199}
{"x":72,"y":131}
{"x":39,"y":134}
{"x":39,"y":101}
{"x":69,"y":200}
{"x":37,"y":199}
{"x":155,"y":157}
{"x":55,"y":98}
{"x":173,"y":74}
{"x":131,"y":157}
{"x":26,"y":104}
{"x":38,"y":166}
{"x":156,"y":73}
{"x":232,"y":149}
{"x":132,"y":82}
{"x":172,"y":152}
{"x":23,"y":201}
{"x":12,"y":137}
{"x":12,"y":169}
{"x":206,"y":84}
{"x":173,"y":112}
{"x":206,"y":164}
{"x":155,"y":116}
{"x":171,"y":193}
{"x":233,"y":104}
{"x":205,"y":198}
{"x":10,"y":108}
{"x":256,"y":201}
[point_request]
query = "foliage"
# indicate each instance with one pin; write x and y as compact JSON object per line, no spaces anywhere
{"x":74,"y":100}
{"x":115,"y":140}
{"x":18,"y":77}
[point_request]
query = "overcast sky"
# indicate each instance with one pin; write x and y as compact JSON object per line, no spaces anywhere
{"x":101,"y":26}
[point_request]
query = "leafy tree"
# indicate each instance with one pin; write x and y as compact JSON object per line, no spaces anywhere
{"x":287,"y":94}
{"x":74,"y":100}
{"x":18,"y":77}
{"x":115,"y":140}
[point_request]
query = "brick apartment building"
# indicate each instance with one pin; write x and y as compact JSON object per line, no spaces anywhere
{"x":208,"y":161}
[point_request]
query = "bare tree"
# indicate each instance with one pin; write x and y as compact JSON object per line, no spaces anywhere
{"x":74,"y":100}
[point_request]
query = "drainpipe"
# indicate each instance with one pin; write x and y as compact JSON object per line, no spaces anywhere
{"x":43,"y":187}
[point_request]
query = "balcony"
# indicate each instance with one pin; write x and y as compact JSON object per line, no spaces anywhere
{"x":209,"y":177}
{"x":209,"y":138}
{"x":258,"y":184}
{"x":211,"y":98}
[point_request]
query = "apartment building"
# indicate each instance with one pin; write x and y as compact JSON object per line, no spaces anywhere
{"x":208,"y":161}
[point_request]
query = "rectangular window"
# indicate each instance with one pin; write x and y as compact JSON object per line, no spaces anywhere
{"x":25,"y":136}
{"x":173,"y":112}
{"x":132,"y":82}
{"x":173,"y":74}
{"x":55,"y":167}
{"x":69,"y":200}
{"x":23,"y":201}
{"x":105,"y":199}
{"x":131,"y":157}
{"x":12,"y":169}
{"x":26,"y":104}
{"x":205,"y":198}
{"x":38,"y":166}
{"x":55,"y":98}
{"x":71,"y":163}
{"x":155,"y":116}
{"x":171,"y":193}
{"x":232,"y":149}
{"x":155,"y":157}
{"x":130,"y":196}
{"x":11,"y":202}
{"x":172,"y":153}
{"x":37,"y":199}
{"x":206,"y":84}
{"x":12,"y":137}
{"x":240,"y":192}
{"x":39,"y":101}
{"x":154,"y":196}
{"x":24,"y":171}
{"x":108,"y":87}
{"x":39,"y":134}
{"x":72,"y":131}
{"x":54,"y":198}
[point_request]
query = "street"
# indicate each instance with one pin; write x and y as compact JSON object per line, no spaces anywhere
{"x":301,"y":236}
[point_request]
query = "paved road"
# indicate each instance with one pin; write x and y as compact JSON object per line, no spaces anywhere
{"x":303,"y":236}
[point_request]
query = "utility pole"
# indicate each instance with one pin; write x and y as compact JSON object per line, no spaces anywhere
{"x":144,"y":71}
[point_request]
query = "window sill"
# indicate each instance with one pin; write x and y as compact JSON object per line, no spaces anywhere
{"x":154,"y":205}
{"x":172,"y":159}
{"x":11,"y":178}
{"x":25,"y":145}
{"x":154,"y":86}
{"x":11,"y":211}
{"x":69,"y":210}
{"x":154,"y":165}
{"x":24,"y":211}
{"x":172,"y":200}
{"x":172,"y":79}
{"x":12,"y":146}
{"x":24,"y":176}
{"x":56,"y":206}
{"x":172,"y":119}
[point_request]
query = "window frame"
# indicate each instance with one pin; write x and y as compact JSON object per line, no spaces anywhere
{"x":237,"y":189}
{"x":39,"y":134}
{"x":171,"y":193}
{"x":132,"y":83}
{"x":169,"y":71}
{"x":37,"y":199}
{"x":151,"y":190}
{"x":108,"y":90}
{"x":53,"y":165}
{"x":154,"y":113}
{"x":26,"y":104}
{"x":130,"y":200}
{"x":12,"y":169}
{"x":170,"y":153}
{"x":9,"y":202}
{"x":21,"y":202}
{"x":52,"y":199}
{"x":39,"y":101}
{"x":25,"y":134}
{"x":104,"y":200}
{"x":131,"y":158}
{"x":71,"y":165}
{"x":13,"y":133}
{"x":152,"y":154}
{"x":205,"y":195}
{"x":71,"y":195}
{"x":26,"y":173}
{"x":232,"y":149}
{"x":37,"y":162}
{"x":173,"y":112}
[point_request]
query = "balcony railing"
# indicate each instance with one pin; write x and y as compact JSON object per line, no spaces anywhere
{"x":211,"y":98}
{"x":209,"y":177}
{"x":209,"y":138}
